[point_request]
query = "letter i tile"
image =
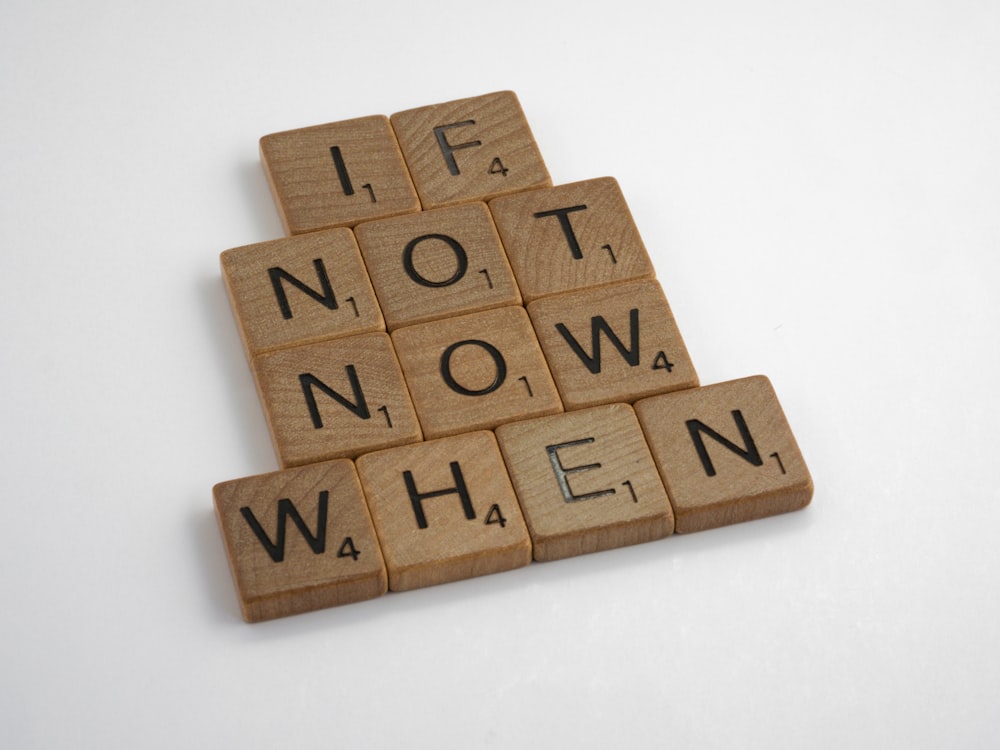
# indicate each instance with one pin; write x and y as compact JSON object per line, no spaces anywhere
{"x":299,"y":540}
{"x":338,"y":174}
{"x":444,"y":510}
{"x":725,"y":453}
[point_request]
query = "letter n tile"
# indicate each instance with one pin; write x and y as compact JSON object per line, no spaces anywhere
{"x":725,"y":453}
{"x":335,"y":399}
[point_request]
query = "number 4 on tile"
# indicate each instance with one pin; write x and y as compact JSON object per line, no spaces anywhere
{"x":497,"y":167}
{"x":495,"y":516}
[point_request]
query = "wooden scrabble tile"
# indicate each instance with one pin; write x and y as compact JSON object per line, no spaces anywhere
{"x":300,"y":289}
{"x":437,"y":263}
{"x":299,"y":540}
{"x":335,"y":399}
{"x":444,"y":510}
{"x":469,"y":149}
{"x":612,"y":343}
{"x":570,"y":237}
{"x":726,"y":453}
{"x":475,"y":371}
{"x":586,"y":481}
{"x":338,"y":174}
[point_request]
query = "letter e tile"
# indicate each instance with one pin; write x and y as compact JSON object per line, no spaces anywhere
{"x":586,"y":481}
{"x":469,"y":149}
{"x":444,"y":510}
{"x":337,"y":175}
{"x":725,"y":453}
{"x":335,"y":399}
{"x":299,"y":290}
{"x":299,"y":540}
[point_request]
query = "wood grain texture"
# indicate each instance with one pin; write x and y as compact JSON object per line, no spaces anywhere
{"x":510,"y":305}
{"x":299,"y":540}
{"x":437,"y":264}
{"x":586,"y":481}
{"x":444,"y":510}
{"x":337,"y":175}
{"x":299,"y":290}
{"x":612,"y":343}
{"x":469,"y":149}
{"x":570,"y":237}
{"x":335,"y":399}
{"x":475,"y":371}
{"x":725,"y":453}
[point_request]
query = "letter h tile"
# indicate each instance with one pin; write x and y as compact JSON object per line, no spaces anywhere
{"x":444,"y":510}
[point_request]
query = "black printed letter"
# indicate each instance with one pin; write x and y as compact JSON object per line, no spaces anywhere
{"x":498,"y":361}
{"x":359,"y":408}
{"x":461,"y":260}
{"x":338,"y":162}
{"x":597,"y":325}
{"x":326,"y":297}
{"x":286,"y":510}
{"x":567,"y":228}
{"x":416,"y":498}
{"x":562,"y":472}
{"x":448,"y":149}
{"x":748,"y":452}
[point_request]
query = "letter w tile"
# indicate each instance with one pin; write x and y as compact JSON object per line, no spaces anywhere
{"x":286,"y":510}
{"x":599,"y":325}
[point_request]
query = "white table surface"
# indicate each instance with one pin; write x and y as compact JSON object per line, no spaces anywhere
{"x":818,"y":185}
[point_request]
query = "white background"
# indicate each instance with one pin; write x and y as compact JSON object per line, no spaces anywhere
{"x":818,"y":186}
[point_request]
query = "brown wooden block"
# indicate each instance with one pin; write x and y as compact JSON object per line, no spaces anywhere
{"x":299,"y":290}
{"x":586,"y":481}
{"x":475,"y":371}
{"x":726,"y":453}
{"x":444,"y":510}
{"x":612,"y":343}
{"x":338,"y":174}
{"x":335,"y":399}
{"x":469,"y":149}
{"x":570,"y":237}
{"x":437,"y":264}
{"x":299,"y":540}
